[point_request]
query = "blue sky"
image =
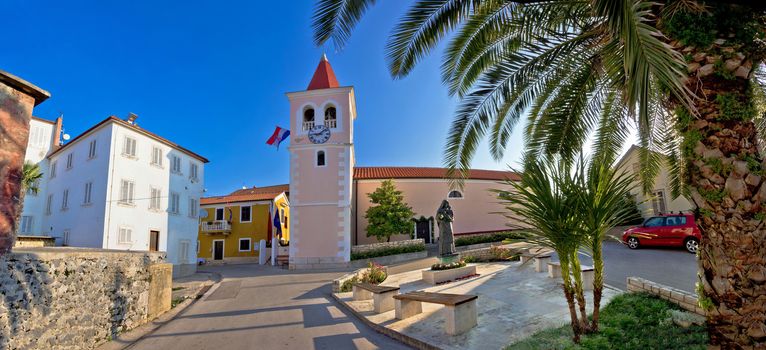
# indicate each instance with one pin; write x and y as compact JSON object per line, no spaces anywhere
{"x":211,"y":76}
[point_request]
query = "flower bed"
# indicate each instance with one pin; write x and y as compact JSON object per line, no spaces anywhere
{"x":375,"y":274}
{"x":452,"y":265}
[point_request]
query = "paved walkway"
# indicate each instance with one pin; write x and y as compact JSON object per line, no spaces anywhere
{"x":262,"y":307}
{"x":514,"y":302}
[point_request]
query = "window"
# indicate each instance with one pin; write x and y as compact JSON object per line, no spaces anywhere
{"x":244,"y":214}
{"x":675,"y":221}
{"x":48,"y":204}
{"x":129,"y":147}
{"x":125,"y":235}
{"x":154,"y":201}
{"x":175,"y":203}
{"x":183,"y":251}
{"x":126,"y":192}
{"x":658,"y":202}
{"x":88,"y":190}
{"x":26,"y":224}
{"x":69,"y":161}
{"x":65,"y":200}
{"x":193,"y":172}
{"x":320,"y":158}
{"x":175,"y":164}
{"x":92,"y":150}
{"x":31,"y":190}
{"x":37,"y":136}
{"x":654,"y":222}
{"x":455,"y":194}
{"x":53,"y":169}
{"x":65,"y":238}
{"x":193,"y":207}
{"x":219,"y":214}
{"x":308,"y":119}
{"x":156,"y":156}
{"x":244,"y":244}
{"x":330,"y":120}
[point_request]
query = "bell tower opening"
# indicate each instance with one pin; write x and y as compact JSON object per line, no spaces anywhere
{"x":308,"y":118}
{"x":330,"y":118}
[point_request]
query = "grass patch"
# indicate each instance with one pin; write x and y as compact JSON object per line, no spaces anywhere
{"x":178,"y":288}
{"x":488,"y":238}
{"x":176,"y":301}
{"x":630,"y":321}
{"x":388,"y":251}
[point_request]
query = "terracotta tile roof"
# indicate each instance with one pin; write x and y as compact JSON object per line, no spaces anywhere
{"x":248,"y":194}
{"x":137,"y":129}
{"x":369,"y":173}
{"x":324,"y":77}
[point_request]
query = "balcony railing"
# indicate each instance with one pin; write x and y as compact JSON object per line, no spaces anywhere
{"x":308,"y":125}
{"x":216,"y":226}
{"x":331,"y":123}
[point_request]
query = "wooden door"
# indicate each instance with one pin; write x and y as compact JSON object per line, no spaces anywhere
{"x":422,"y":230}
{"x":154,"y":241}
{"x":217,"y":250}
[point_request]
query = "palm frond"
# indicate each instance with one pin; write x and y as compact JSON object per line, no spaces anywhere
{"x":335,"y":19}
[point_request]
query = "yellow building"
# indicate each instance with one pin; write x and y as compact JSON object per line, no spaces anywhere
{"x":236,"y":223}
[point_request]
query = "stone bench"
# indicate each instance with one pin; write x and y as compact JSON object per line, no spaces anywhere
{"x":460,"y":309}
{"x":541,"y":259}
{"x":382,"y":296}
{"x":588,"y":273}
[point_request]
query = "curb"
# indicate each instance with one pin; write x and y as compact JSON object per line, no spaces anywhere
{"x":133,"y":336}
{"x":402,"y":338}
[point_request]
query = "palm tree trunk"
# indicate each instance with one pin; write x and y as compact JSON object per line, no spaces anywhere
{"x":569,"y":294}
{"x":598,"y":284}
{"x":725,"y":171}
{"x":19,"y":210}
{"x":579,"y":292}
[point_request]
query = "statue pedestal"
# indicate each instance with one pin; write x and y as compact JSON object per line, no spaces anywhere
{"x":439,"y":276}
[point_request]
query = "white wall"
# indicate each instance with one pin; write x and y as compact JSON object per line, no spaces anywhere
{"x":85,"y":222}
{"x":661,"y":183}
{"x":39,"y":144}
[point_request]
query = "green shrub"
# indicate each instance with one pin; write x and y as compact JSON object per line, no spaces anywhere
{"x":388,"y":251}
{"x":629,"y":321}
{"x":375,"y":274}
{"x":486,"y":238}
{"x":348,"y":285}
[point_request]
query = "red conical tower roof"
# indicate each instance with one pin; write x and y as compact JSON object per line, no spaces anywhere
{"x":324,"y":77}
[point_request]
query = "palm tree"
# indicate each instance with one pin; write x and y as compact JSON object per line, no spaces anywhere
{"x":601,"y":204}
{"x":545,"y":207}
{"x":30,"y":180}
{"x":681,"y":71}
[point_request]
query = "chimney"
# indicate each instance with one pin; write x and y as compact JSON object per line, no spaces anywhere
{"x":57,"y":131}
{"x":131,"y":118}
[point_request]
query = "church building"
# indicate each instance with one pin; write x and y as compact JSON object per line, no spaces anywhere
{"x":328,"y":193}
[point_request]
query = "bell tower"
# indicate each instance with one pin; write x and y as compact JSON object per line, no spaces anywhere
{"x":321,"y":171}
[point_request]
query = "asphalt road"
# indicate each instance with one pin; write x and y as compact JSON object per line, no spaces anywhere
{"x":261,"y":307}
{"x":670,"y":266}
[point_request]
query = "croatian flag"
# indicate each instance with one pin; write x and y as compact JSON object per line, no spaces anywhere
{"x":278,"y":223}
{"x":277,"y":137}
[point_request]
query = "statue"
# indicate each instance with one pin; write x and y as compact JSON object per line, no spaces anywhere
{"x":445,"y":216}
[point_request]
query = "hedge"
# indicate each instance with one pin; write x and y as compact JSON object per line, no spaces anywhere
{"x":388,"y":251}
{"x":486,"y":238}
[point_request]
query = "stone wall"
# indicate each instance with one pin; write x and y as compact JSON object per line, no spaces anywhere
{"x":385,"y":245}
{"x":17,"y":98}
{"x":74,"y":298}
{"x":686,"y":300}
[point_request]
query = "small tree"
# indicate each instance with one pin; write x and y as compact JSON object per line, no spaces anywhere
{"x":390,"y":216}
{"x":30,"y":179}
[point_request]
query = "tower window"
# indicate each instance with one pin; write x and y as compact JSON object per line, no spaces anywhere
{"x":320,"y":158}
{"x":308,"y":119}
{"x":330,"y":119}
{"x":455,"y":194}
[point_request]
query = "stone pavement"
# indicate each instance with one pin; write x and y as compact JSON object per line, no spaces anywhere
{"x":514,"y":302}
{"x":264,"y":307}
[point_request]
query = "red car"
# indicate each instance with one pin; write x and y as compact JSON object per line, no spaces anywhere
{"x":673,"y":230}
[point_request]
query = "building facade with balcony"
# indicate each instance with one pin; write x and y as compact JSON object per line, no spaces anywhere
{"x":232,"y":226}
{"x":119,"y":186}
